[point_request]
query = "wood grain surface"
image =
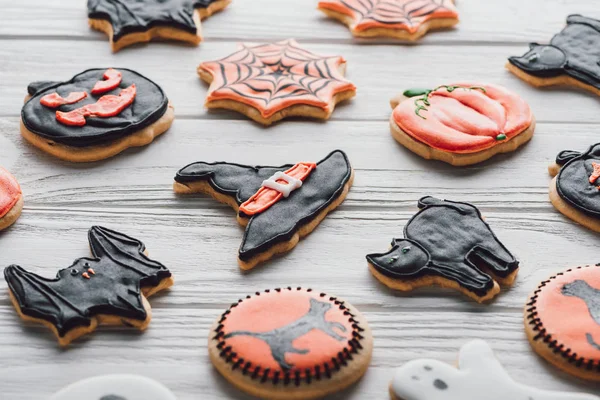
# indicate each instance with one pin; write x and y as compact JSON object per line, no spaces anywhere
{"x":198,"y":238}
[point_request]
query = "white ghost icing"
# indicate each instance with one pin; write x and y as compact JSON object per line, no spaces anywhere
{"x":479,"y":376}
{"x":115,"y":387}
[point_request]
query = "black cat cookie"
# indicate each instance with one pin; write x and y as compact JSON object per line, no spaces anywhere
{"x":95,"y":115}
{"x":575,"y":189}
{"x":291,"y":343}
{"x":277,"y":205}
{"x":571,"y":58}
{"x":111,"y":288}
{"x":133,"y":21}
{"x":447,"y":244}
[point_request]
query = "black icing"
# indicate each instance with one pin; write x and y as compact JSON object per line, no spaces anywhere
{"x":573,"y":181}
{"x":70,"y":301}
{"x":112,"y":397}
{"x":281,"y":221}
{"x":150,"y":105}
{"x":451,"y":240}
{"x":575,"y":51}
{"x":131,"y":16}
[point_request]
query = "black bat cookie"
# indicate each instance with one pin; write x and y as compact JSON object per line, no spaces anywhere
{"x":449,"y":244}
{"x":320,"y":192}
{"x":110,"y":287}
{"x":574,"y":52}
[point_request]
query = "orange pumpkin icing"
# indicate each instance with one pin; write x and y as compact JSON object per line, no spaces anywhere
{"x":10,"y":192}
{"x":272,"y":77}
{"x":469,"y":118}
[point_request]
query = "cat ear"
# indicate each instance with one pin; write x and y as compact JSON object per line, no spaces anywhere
{"x":565,"y":156}
{"x":429,"y":201}
{"x":36,"y":87}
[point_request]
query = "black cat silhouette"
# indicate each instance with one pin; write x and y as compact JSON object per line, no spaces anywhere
{"x":591,"y":297}
{"x":280,"y":340}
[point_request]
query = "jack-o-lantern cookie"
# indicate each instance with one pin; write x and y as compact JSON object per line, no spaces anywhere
{"x":109,"y":289}
{"x":562,"y":321}
{"x":269,"y":82}
{"x":115,"y":387}
{"x":96,"y":115}
{"x":575,"y":189}
{"x":479,"y":376}
{"x":291,"y":343}
{"x":11,"y":199}
{"x":133,"y":21}
{"x":277,"y":205}
{"x":461,"y":124}
{"x":570,"y":59}
{"x":447,"y":244}
{"x":400,"y":19}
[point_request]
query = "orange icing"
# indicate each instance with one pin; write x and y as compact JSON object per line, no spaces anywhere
{"x":595,"y":174}
{"x":465,"y":120}
{"x":10,"y":192}
{"x":272,"y":77}
{"x":408,"y":15}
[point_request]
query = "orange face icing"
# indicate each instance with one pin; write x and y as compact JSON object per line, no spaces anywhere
{"x":272,"y":77}
{"x":568,"y":307}
{"x":10,"y":192}
{"x":464,"y":118}
{"x":408,"y":15}
{"x":289,"y":332}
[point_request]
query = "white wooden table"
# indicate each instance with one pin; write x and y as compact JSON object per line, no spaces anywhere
{"x":198,"y":238}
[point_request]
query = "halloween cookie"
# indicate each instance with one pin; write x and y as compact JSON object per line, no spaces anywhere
{"x":109,"y":289}
{"x":291,"y":343}
{"x":272,"y":81}
{"x":132,"y":21}
{"x":461,"y":124}
{"x":479,"y":376}
{"x":450,"y":245}
{"x":277,"y":205}
{"x":11,"y":199}
{"x":96,"y":115}
{"x":562,"y":321}
{"x":575,"y":189}
{"x":570,"y":59}
{"x":400,"y":19}
{"x":115,"y":387}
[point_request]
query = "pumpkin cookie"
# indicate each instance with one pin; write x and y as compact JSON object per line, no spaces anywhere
{"x":575,"y":189}
{"x":562,"y":321}
{"x":132,"y":21}
{"x":109,"y":289}
{"x":96,"y":115}
{"x":461,"y":124}
{"x":450,"y":245}
{"x":273,"y":81}
{"x":570,"y":59}
{"x":400,"y":19}
{"x":291,"y":344}
{"x":115,"y":387}
{"x":11,"y":199}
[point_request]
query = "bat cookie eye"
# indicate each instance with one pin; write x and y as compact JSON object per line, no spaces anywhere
{"x":533,"y":58}
{"x":74,"y":272}
{"x":405,"y":249}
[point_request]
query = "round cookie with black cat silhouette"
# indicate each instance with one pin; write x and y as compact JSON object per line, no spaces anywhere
{"x":562,"y":321}
{"x":115,"y":387}
{"x":291,"y":343}
{"x":95,"y":115}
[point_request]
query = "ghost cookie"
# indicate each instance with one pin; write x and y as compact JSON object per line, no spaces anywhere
{"x":400,"y":19}
{"x":277,"y":205}
{"x":11,"y":199}
{"x":96,"y":115}
{"x":570,"y":59}
{"x":291,"y":343}
{"x":115,"y":387}
{"x":562,"y":321}
{"x":479,"y":376}
{"x":461,"y":124}
{"x":450,"y":245}
{"x":269,"y":82}
{"x":108,"y":289}
{"x":575,"y":189}
{"x":133,"y":21}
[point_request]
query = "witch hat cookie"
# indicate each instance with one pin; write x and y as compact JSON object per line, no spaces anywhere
{"x":11,"y":199}
{"x":277,"y":205}
{"x":109,"y":289}
{"x":447,"y":244}
{"x":115,"y":387}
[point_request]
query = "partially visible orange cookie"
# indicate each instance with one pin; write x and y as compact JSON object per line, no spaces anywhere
{"x":400,"y":19}
{"x":11,"y":199}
